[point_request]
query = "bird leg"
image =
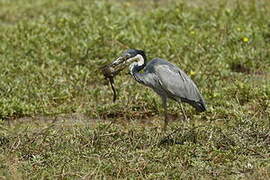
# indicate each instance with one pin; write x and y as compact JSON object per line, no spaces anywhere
{"x":183,"y":112}
{"x":164,"y":103}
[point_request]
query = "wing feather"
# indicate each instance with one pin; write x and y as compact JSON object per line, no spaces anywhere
{"x":177,"y":83}
{"x":167,"y":79}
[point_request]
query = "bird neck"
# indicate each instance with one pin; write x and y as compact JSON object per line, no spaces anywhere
{"x":141,"y":60}
{"x":135,"y":67}
{"x":134,"y":70}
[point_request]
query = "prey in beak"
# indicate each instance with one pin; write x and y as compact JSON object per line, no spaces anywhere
{"x":114,"y":68}
{"x":111,"y":70}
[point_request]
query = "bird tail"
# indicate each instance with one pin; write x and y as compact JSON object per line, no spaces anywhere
{"x":199,"y":106}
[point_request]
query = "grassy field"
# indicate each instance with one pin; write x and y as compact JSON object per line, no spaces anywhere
{"x":57,"y":119}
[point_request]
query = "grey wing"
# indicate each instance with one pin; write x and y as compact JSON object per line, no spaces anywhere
{"x":179,"y":86}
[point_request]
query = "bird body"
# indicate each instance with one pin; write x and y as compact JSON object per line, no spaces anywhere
{"x":169,"y":81}
{"x":165,"y":78}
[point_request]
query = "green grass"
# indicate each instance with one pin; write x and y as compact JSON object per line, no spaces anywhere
{"x":56,"y":110}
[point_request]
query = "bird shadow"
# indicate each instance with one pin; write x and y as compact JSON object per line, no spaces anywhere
{"x":179,"y":137}
{"x":169,"y":141}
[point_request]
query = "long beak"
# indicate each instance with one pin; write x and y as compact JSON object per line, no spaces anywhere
{"x":119,"y":64}
{"x":115,"y":67}
{"x":118,"y":61}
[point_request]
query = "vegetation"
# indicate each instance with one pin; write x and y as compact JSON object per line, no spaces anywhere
{"x":56,"y":110}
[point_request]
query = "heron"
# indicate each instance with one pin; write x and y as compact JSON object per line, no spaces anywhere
{"x":165,"y":78}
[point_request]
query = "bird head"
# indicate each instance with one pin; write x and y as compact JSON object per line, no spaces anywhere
{"x":132,"y":55}
{"x":129,"y":56}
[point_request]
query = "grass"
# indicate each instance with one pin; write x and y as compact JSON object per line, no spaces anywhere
{"x":56,"y":110}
